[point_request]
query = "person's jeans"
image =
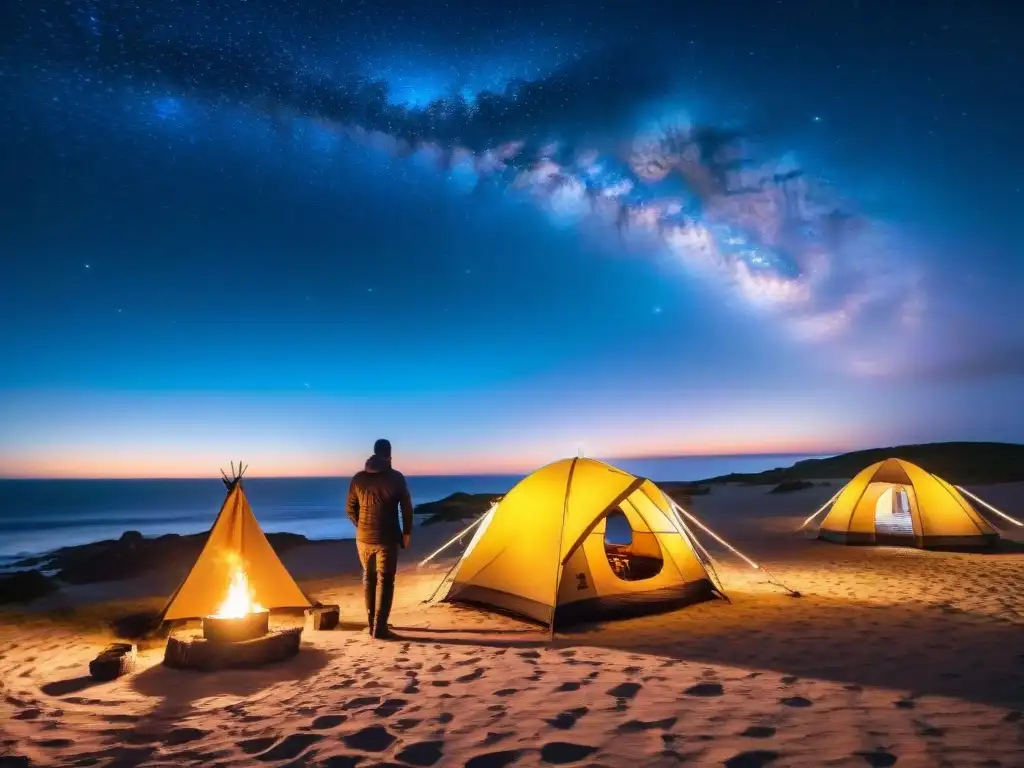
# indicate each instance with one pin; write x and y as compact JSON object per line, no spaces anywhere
{"x":379,"y":562}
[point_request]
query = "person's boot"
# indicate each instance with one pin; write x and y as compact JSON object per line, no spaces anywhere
{"x":385,"y":599}
{"x":370,"y":598}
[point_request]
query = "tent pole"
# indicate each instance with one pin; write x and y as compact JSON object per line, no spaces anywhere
{"x":988,"y":506}
{"x":458,"y":536}
{"x":822,"y":508}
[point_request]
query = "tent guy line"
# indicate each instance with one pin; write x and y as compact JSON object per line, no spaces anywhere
{"x":988,"y":506}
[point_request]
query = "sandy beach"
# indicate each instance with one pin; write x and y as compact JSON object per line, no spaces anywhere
{"x":889,"y":657}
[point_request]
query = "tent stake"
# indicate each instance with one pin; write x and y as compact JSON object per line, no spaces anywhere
{"x":822,"y":508}
{"x":989,"y":506}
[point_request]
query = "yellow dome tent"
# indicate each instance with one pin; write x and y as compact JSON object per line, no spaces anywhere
{"x":897,"y":503}
{"x":236,"y":545}
{"x":540,"y":552}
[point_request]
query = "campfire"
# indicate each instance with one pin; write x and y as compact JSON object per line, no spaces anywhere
{"x":235,"y":583}
{"x":239,"y":617}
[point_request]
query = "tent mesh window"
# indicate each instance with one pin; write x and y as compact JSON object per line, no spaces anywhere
{"x":892,"y":513}
{"x":620,"y":547}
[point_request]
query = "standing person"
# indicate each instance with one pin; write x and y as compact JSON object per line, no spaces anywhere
{"x":374,"y":497}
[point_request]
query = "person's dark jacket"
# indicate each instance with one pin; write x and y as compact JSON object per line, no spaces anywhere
{"x":374,"y":497}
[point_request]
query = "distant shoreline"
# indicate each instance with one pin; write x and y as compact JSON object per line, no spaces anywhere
{"x":959,"y":463}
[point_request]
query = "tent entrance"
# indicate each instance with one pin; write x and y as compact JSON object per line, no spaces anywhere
{"x":633,"y":555}
{"x":893,"y":521}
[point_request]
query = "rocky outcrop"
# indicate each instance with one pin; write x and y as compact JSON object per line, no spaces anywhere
{"x":24,"y":586}
{"x":791,"y":485}
{"x":958,"y":463}
{"x":133,"y":555}
{"x":455,"y":508}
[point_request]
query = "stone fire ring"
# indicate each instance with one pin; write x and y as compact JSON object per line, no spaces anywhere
{"x":190,"y":650}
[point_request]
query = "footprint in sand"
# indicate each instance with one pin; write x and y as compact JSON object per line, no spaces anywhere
{"x":411,"y":687}
{"x":789,"y":679}
{"x":424,"y":753}
{"x":705,"y":690}
{"x":476,"y":674}
{"x":796,"y":701}
{"x":54,"y":744}
{"x":254,"y":746}
{"x":624,"y":690}
{"x":754,"y":759}
{"x":290,"y":747}
{"x":529,"y":654}
{"x":375,"y":738}
{"x":566,"y":720}
{"x":759,"y":732}
{"x":445,"y":717}
{"x":467,"y":662}
{"x":506,"y":692}
{"x":494,"y":759}
{"x":440,"y":683}
{"x":326,"y":722}
{"x":880,"y":758}
{"x":493,"y":737}
{"x":405,"y":724}
{"x":361,"y":701}
{"x":183,"y":736}
{"x":342,"y":761}
{"x":905,"y":704}
{"x":435,"y":669}
{"x":636,"y":726}
{"x":562,"y":752}
{"x":567,"y":687}
{"x":924,"y":729}
{"x":28,"y":714}
{"x":389,"y":707}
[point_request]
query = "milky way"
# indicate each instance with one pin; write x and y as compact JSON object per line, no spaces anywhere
{"x":758,"y":228}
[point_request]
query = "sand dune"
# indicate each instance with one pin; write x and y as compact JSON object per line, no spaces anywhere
{"x":890,"y":657}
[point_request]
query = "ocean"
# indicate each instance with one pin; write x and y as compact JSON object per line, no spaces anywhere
{"x":37,"y":516}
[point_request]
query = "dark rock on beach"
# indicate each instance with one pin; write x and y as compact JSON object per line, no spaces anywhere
{"x":456,"y":508}
{"x":791,"y":485}
{"x":23,"y":586}
{"x":133,"y":555}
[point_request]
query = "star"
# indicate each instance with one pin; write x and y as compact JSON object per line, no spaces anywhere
{"x":657,"y":310}
{"x":816,"y":118}
{"x":88,"y":266}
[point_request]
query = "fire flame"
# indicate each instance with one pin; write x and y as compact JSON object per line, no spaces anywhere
{"x":239,"y":601}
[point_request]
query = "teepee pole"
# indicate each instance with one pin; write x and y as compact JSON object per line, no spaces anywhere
{"x":821,"y":509}
{"x":456,"y":538}
{"x":988,"y":506}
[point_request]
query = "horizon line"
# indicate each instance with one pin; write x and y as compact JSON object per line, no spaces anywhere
{"x":502,"y":473}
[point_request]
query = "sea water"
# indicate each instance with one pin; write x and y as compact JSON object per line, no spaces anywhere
{"x":40,"y":515}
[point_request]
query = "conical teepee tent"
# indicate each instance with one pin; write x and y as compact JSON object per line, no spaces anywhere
{"x":235,"y":542}
{"x":541,"y":552}
{"x":898,"y":503}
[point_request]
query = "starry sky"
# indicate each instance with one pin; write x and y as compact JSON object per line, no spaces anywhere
{"x":498,"y":233}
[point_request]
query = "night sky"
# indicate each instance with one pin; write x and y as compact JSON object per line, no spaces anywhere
{"x":497,"y":232}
